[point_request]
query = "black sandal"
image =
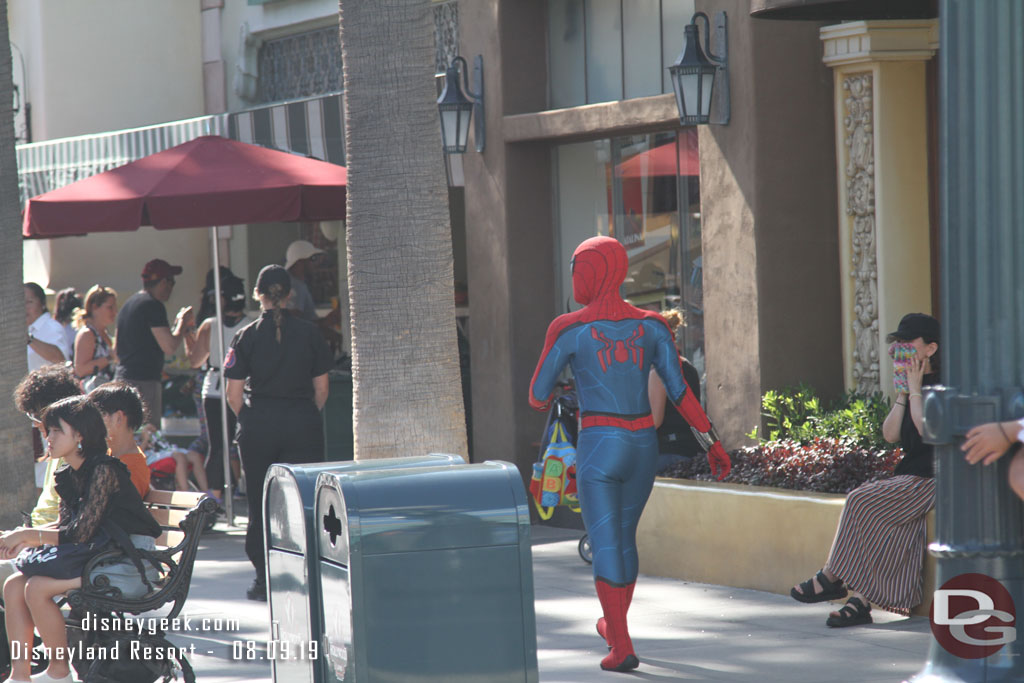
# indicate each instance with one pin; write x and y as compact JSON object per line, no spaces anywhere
{"x":853,"y":613}
{"x":829,"y":590}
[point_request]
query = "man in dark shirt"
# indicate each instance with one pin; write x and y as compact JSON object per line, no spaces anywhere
{"x":144,"y":336}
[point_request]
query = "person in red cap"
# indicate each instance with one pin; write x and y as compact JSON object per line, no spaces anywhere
{"x":144,"y":336}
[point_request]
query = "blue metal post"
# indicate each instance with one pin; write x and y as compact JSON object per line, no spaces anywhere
{"x":979,"y":519}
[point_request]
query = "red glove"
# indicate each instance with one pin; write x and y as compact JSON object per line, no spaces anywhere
{"x":719,"y":461}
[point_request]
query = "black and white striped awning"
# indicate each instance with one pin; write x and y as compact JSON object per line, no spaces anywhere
{"x":45,"y":166}
{"x":312,"y":127}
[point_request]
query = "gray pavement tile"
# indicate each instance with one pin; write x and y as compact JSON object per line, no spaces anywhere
{"x":682,"y":631}
{"x":221,"y":575}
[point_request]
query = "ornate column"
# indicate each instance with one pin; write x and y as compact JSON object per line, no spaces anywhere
{"x":882,"y":162}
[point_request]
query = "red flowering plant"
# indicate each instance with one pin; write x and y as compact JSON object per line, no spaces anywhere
{"x":810,"y":449}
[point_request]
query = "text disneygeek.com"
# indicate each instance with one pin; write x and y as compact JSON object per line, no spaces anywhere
{"x":152,"y":626}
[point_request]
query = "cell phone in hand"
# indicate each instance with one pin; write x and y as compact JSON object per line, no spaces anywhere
{"x":902,"y":353}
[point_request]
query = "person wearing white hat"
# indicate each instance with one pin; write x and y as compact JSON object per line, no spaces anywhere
{"x":299,"y":264}
{"x":300,"y":260}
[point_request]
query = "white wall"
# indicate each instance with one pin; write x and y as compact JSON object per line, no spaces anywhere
{"x":100,"y":66}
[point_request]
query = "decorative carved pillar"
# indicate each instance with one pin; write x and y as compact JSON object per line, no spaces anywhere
{"x":859,"y":185}
{"x":882,"y":164}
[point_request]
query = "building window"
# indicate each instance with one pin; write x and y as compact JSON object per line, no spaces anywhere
{"x":446,"y":34}
{"x":643,"y":190}
{"x":302,"y":65}
{"x":607,"y":50}
{"x":309,"y":64}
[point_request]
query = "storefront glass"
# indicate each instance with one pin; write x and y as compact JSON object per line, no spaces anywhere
{"x":607,"y":50}
{"x":644,"y":191}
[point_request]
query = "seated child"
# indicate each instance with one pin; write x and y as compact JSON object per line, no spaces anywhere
{"x":156,"y":448}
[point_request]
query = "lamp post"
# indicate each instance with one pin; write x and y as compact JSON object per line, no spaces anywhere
{"x":694,"y":76}
{"x":979,"y":542}
{"x":458,"y":104}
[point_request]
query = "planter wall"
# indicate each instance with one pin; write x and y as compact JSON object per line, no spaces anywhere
{"x":744,"y":536}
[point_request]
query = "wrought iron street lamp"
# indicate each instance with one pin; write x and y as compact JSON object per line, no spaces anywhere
{"x":694,"y":75}
{"x":979,"y":520}
{"x":458,"y":104}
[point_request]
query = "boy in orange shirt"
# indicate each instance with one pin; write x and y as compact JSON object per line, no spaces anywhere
{"x":122,"y":409}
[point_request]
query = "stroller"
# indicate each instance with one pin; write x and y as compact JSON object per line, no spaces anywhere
{"x":555,"y":484}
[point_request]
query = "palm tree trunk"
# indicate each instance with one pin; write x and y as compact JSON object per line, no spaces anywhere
{"x":407,"y":396}
{"x":17,"y":486}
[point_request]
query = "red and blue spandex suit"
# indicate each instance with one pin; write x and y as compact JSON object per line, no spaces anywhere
{"x":611,"y":347}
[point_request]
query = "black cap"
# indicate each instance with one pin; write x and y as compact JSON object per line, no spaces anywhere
{"x":914,"y":325}
{"x":233,"y":291}
{"x":273,"y":275}
{"x":225,"y":275}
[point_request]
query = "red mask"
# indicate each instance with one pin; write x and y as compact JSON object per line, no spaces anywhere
{"x":599,"y":267}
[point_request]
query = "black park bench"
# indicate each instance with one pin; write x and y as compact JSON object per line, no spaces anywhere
{"x":143,"y":655}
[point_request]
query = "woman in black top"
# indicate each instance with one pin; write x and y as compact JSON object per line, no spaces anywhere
{"x":676,"y":441}
{"x":276,"y":372}
{"x":94,"y":489}
{"x":879,"y":546}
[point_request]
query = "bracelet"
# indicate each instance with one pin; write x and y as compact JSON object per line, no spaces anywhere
{"x":916,"y":393}
{"x":899,"y":403}
{"x":1009,"y":441}
{"x":40,"y":532}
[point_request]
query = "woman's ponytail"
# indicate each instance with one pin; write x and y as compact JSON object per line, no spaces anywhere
{"x":277,"y":296}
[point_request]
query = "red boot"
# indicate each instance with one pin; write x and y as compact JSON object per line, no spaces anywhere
{"x":615,"y":602}
{"x":602,"y":625}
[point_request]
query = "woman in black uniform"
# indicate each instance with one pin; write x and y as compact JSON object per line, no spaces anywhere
{"x":276,"y":370}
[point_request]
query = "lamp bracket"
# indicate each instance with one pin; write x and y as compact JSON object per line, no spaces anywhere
{"x":479,"y":128}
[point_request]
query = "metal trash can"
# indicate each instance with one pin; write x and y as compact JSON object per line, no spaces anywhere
{"x":426,"y":575}
{"x":293,"y":571}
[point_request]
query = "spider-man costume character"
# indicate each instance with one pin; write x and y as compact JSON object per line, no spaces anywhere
{"x":611,"y":347}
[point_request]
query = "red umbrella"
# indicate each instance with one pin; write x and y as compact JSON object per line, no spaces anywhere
{"x":663,"y":160}
{"x":204,"y":182}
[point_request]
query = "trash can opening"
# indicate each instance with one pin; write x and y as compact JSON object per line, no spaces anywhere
{"x":332,"y":526}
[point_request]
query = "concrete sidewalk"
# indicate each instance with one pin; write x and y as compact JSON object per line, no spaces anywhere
{"x":682,"y":631}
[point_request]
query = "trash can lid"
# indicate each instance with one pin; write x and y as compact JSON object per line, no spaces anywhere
{"x":427,"y":508}
{"x":289,"y":488}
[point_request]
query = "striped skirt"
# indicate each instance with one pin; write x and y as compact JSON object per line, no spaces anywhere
{"x":879,"y":546}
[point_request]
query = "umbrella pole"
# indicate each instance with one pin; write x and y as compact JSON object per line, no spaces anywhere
{"x":225,"y":437}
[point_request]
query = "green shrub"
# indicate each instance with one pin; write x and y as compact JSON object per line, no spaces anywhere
{"x":808,"y":447}
{"x":796,"y":414}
